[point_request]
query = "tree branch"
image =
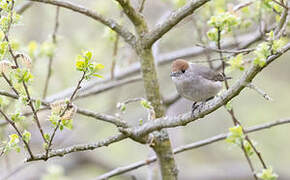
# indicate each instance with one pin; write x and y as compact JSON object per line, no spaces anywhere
{"x":135,"y":17}
{"x":172,"y":20}
{"x":128,"y":36}
{"x":210,"y":106}
{"x":76,"y":148}
{"x":180,"y":149}
{"x":54,"y":41}
{"x":99,"y":116}
{"x":162,"y":59}
{"x":12,"y":123}
{"x":23,"y":7}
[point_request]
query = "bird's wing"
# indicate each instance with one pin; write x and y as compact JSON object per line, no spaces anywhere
{"x":210,"y":74}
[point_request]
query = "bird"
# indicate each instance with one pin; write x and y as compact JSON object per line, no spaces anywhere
{"x":196,"y":82}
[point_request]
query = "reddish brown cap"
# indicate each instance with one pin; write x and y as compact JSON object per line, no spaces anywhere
{"x":179,"y":65}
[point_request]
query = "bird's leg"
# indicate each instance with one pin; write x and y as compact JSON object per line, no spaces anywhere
{"x":193,"y":108}
{"x":209,"y":99}
{"x":195,"y":105}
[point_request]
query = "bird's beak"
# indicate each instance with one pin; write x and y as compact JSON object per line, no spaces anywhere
{"x":174,"y":74}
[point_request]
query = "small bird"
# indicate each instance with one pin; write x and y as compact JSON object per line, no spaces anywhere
{"x":196,"y":82}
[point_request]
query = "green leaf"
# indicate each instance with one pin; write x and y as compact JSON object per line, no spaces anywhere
{"x":97,"y":75}
{"x":12,"y":144}
{"x":45,"y":146}
{"x":121,"y":107}
{"x":248,"y":148}
{"x":47,"y":137}
{"x":26,"y":136}
{"x":229,"y":106}
{"x":278,"y":44}
{"x":237,"y":62}
{"x":270,"y":35}
{"x":67,"y":123}
{"x":224,"y":21}
{"x":54,"y":118}
{"x":236,"y":135}
{"x":37,"y":104}
{"x":212,"y":34}
{"x":146,"y":104}
{"x":17,"y":117}
{"x":267,"y":174}
{"x":262,"y":52}
{"x":23,"y":75}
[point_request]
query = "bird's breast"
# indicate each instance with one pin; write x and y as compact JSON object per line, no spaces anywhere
{"x":197,"y":89}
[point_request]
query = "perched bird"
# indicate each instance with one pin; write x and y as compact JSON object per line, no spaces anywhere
{"x":196,"y":82}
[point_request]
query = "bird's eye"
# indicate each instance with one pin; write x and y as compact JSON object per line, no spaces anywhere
{"x":183,"y":71}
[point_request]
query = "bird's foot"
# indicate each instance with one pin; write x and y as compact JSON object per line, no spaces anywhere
{"x":193,"y":108}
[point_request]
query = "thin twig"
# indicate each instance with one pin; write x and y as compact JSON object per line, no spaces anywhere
{"x":162,"y":59}
{"x":280,"y":4}
{"x":115,"y":53}
{"x":122,"y":31}
{"x":10,"y":84}
{"x":195,"y":145}
{"x":142,"y":5}
{"x":241,"y":6}
{"x":12,"y":123}
{"x":231,"y":112}
{"x":99,"y":116}
{"x":54,"y":41}
{"x":174,"y":121}
{"x":77,"y":148}
{"x":236,"y":122}
{"x":228,"y":50}
{"x":174,"y":18}
{"x":281,"y":27}
{"x":16,"y":66}
{"x":259,"y":91}
{"x":30,"y":103}
{"x":200,"y":35}
{"x":23,"y":7}
{"x":63,"y":113}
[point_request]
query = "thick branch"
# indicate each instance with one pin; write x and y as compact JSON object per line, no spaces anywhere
{"x":135,"y":17}
{"x":210,"y":106}
{"x":162,"y":59}
{"x":191,"y":146}
{"x":23,"y":7}
{"x":104,"y":117}
{"x":128,"y":37}
{"x":76,"y":148}
{"x":99,"y":116}
{"x":172,"y":20}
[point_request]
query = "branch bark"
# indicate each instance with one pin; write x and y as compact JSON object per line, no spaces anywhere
{"x":162,"y":59}
{"x":210,"y":106}
{"x":172,"y":20}
{"x":76,"y":148}
{"x":180,"y":149}
{"x":122,"y":31}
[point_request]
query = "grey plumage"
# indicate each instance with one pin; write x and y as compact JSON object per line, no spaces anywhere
{"x":197,"y":83}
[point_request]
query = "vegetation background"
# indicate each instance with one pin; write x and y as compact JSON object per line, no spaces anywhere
{"x":76,"y":32}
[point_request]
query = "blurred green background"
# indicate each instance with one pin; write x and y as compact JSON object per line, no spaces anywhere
{"x":220,"y":160}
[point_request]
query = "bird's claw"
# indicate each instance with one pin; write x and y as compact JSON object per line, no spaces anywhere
{"x":194,"y":107}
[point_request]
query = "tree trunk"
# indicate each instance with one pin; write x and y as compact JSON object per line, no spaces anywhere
{"x":161,"y":143}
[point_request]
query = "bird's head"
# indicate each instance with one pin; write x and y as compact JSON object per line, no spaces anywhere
{"x":178,"y":68}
